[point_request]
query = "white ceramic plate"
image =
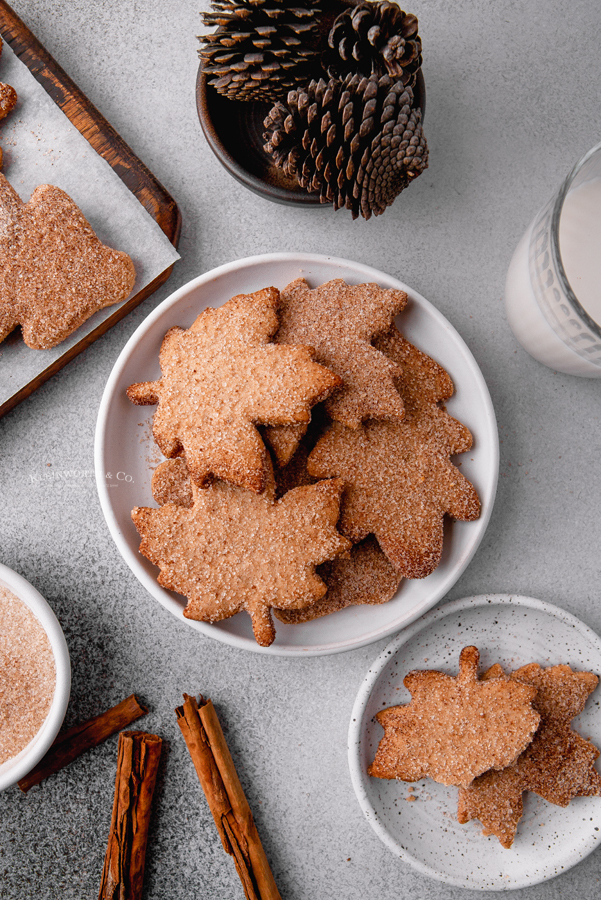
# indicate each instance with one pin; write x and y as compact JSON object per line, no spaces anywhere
{"x":125,"y":453}
{"x":425,"y":833}
{"x":16,"y":768}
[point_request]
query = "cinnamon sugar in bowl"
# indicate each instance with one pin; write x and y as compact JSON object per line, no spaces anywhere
{"x":35,"y":677}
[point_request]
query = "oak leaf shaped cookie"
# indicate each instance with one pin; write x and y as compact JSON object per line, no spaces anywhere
{"x":455,"y":728}
{"x":223,"y":376}
{"x":341,"y":321}
{"x":558,"y":765}
{"x":235,"y":549}
{"x":399,"y":479}
{"x":54,"y":272}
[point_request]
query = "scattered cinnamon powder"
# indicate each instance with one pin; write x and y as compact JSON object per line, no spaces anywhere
{"x":27,"y":675}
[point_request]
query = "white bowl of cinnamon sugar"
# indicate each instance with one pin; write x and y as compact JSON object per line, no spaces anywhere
{"x":35,"y":677}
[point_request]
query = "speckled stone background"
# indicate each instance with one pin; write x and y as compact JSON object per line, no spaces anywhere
{"x":513,"y":101}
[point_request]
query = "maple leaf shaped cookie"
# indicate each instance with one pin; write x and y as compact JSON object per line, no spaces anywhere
{"x":399,"y":479}
{"x":362,"y":577}
{"x":341,"y":321}
{"x":234,"y":549}
{"x":455,"y":728}
{"x":558,"y":765}
{"x":222,"y":377}
{"x":54,"y":272}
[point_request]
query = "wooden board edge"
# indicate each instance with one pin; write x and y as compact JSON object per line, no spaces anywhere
{"x":90,"y":122}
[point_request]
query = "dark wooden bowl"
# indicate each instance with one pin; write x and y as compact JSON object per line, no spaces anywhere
{"x":234,"y":131}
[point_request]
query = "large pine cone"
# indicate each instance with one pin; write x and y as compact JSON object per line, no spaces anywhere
{"x":358,"y":142}
{"x":374,"y":38}
{"x":262,"y":48}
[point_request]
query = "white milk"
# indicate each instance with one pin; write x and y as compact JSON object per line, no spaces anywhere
{"x":580,"y":244}
{"x":580,"y":248}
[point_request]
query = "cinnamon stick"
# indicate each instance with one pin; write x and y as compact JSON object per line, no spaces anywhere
{"x":219,"y":780}
{"x":76,"y":740}
{"x":137,"y":767}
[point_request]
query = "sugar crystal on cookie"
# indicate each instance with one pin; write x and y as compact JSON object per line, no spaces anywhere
{"x":221,"y":378}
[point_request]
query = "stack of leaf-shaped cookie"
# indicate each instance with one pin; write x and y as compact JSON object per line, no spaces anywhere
{"x":558,"y":765}
{"x":379,"y":439}
{"x":226,"y":543}
{"x":494,"y":736}
{"x":388,"y":439}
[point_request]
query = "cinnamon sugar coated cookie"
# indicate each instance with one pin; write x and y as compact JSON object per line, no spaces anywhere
{"x":8,"y":99}
{"x":340,"y":321}
{"x":235,"y":549}
{"x":362,"y":577}
{"x":399,"y":479}
{"x":454,"y":729}
{"x":54,"y":272}
{"x":558,"y":765}
{"x":221,"y":378}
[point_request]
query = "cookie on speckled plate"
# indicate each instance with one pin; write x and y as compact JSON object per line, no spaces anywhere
{"x":455,"y":729}
{"x":558,"y":765}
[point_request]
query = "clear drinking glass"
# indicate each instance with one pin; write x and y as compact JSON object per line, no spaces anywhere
{"x":553,"y":286}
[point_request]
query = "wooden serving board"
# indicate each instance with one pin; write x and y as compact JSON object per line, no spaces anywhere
{"x":108,"y":144}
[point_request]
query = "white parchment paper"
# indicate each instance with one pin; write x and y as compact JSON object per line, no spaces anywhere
{"x":41,"y":146}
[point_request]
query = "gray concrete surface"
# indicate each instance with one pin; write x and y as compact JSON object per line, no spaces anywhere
{"x":513,"y":92}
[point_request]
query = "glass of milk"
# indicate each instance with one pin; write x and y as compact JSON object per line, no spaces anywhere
{"x":553,"y":287}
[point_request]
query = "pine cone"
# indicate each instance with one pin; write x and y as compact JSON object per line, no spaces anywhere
{"x":262,"y":48}
{"x":374,"y":38}
{"x":358,"y":142}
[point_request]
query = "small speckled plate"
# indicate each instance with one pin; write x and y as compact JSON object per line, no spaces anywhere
{"x":425,"y":833}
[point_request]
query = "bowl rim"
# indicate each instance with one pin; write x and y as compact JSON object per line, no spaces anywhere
{"x":258,"y":185}
{"x":24,"y":762}
{"x":273,"y":192}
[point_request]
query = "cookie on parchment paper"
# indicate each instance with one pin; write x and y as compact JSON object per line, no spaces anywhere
{"x":399,"y":479}
{"x":8,"y":98}
{"x":455,"y":728}
{"x":558,"y":765}
{"x":221,"y":378}
{"x":54,"y":272}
